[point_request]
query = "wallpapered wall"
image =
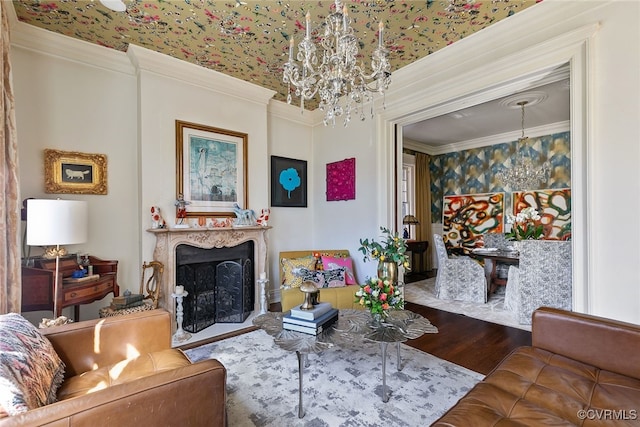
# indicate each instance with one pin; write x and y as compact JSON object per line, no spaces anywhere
{"x":473,"y":171}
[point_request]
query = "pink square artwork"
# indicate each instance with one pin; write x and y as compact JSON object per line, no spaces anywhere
{"x":341,"y":180}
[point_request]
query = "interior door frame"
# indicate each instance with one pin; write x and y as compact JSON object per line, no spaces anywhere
{"x":507,"y":75}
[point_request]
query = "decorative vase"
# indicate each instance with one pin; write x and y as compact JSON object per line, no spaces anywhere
{"x":378,"y":318}
{"x":388,"y":270}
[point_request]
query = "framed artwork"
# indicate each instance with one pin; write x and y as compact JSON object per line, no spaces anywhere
{"x":71,"y":172}
{"x":341,"y":180}
{"x":553,"y":205}
{"x":465,"y":218}
{"x":211,"y":169}
{"x":288,"y":182}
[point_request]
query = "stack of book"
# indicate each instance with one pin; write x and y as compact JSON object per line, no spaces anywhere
{"x":312,"y":321}
{"x":127,"y":301}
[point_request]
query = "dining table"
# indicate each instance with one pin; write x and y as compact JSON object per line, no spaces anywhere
{"x":496,"y":256}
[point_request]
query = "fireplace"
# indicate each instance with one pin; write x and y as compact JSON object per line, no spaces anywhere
{"x":219,"y":282}
{"x":237,"y":271}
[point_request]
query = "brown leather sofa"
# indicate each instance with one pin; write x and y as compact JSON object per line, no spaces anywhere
{"x":580,"y":370}
{"x":121,"y":371}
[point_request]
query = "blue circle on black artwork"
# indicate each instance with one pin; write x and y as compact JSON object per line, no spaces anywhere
{"x":290,"y":180}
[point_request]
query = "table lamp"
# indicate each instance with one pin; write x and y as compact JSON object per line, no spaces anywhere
{"x":54,"y":223}
{"x":410,"y":220}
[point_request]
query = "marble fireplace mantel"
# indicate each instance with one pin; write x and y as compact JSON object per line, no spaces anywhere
{"x":167,"y":240}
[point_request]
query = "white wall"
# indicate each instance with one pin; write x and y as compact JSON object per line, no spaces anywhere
{"x":165,"y":98}
{"x":70,"y":106}
{"x":290,"y":135}
{"x":341,"y":224}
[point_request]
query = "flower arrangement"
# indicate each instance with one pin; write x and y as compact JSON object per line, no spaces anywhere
{"x":526,"y":225}
{"x":393,"y":248}
{"x":379,"y":296}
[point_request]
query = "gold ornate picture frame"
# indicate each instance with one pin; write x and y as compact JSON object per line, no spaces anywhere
{"x":71,"y":172}
{"x":211,"y":169}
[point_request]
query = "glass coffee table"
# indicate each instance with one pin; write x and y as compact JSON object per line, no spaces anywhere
{"x":353,"y":328}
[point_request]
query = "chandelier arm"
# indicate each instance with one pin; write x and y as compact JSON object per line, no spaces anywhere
{"x":340,"y":83}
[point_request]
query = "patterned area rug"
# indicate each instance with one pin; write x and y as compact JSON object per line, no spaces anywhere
{"x":423,"y":293}
{"x":342,"y":386}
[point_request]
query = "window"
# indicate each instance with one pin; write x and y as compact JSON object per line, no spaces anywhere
{"x":408,"y":196}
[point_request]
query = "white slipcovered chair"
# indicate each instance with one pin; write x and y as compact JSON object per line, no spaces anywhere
{"x":543,"y":278}
{"x":460,"y":278}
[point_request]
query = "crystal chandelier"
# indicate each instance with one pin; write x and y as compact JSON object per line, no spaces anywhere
{"x":339,"y":81}
{"x":523,"y":175}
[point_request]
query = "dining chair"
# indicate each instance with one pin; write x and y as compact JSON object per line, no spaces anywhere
{"x":460,"y":278}
{"x":543,"y":278}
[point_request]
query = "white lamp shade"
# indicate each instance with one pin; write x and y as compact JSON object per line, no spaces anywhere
{"x":56,"y":222}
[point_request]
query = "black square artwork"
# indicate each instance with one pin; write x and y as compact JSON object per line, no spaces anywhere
{"x":288,"y":182}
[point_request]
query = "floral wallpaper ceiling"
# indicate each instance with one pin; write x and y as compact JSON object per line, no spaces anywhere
{"x":249,"y":39}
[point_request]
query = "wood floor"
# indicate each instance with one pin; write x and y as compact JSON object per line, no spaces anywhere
{"x":472,"y":343}
{"x":465,"y":341}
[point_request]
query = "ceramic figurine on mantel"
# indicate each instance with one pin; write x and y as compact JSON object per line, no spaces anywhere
{"x":244,"y":217}
{"x":181,"y":212}
{"x":263,"y":219}
{"x":156,"y":218}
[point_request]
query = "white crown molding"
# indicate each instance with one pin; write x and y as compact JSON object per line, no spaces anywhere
{"x":408,"y":85}
{"x":158,"y":63}
{"x":534,"y":132}
{"x":46,"y":42}
{"x":290,"y":112}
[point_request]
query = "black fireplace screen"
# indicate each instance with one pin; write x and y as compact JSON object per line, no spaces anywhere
{"x":219,"y":282}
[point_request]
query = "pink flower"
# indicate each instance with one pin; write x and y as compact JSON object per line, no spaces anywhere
{"x":383,"y":297}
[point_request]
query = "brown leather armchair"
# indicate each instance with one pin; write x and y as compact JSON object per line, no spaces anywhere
{"x":155,"y":385}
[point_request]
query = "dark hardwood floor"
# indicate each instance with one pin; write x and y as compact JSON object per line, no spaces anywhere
{"x":465,"y":341}
{"x":472,"y":343}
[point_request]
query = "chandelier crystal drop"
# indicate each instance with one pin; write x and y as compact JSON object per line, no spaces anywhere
{"x":338,"y":80}
{"x":523,"y":175}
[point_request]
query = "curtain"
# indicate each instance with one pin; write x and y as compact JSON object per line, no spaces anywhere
{"x":423,"y":206}
{"x":10,"y":271}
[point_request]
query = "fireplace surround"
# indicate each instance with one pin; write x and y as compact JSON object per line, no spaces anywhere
{"x":168,"y":240}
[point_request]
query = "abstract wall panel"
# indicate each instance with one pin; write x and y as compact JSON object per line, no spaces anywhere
{"x":465,"y":218}
{"x":553,"y":205}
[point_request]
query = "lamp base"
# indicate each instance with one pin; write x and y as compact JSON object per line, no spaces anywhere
{"x":54,"y":252}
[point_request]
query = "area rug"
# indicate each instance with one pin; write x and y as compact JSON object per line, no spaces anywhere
{"x":423,"y":293}
{"x":342,"y":386}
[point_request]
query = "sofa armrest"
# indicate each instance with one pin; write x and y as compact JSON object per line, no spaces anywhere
{"x":92,"y":344}
{"x":192,"y":395}
{"x":588,"y":339}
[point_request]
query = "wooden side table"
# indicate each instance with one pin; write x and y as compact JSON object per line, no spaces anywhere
{"x":38,"y":284}
{"x":417,"y":247}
